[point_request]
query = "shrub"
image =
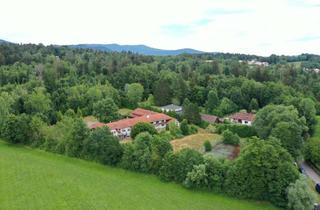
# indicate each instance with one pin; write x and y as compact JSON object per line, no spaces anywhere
{"x":142,"y":127}
{"x":243,"y":131}
{"x":207,"y":146}
{"x":16,"y":129}
{"x":230,"y":138}
{"x":176,"y":165}
{"x":102,"y":147}
{"x":175,"y":130}
{"x":145,"y":154}
{"x":263,"y":171}
{"x":193,"y":129}
{"x":209,"y":176}
{"x":312,"y":151}
{"x":300,"y":197}
{"x":184,"y":127}
{"x":105,"y":110}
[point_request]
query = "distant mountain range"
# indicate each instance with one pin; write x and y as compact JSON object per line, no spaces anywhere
{"x":140,"y":49}
{"x":3,"y":41}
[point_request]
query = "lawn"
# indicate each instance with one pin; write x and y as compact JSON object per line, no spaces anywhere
{"x":195,"y":141}
{"x":34,"y":179}
{"x":124,"y":112}
{"x":223,"y":151}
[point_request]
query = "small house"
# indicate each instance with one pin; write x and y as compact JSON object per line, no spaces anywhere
{"x":210,"y":118}
{"x":243,"y":118}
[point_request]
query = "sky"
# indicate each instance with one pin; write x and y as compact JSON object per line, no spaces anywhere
{"x":261,"y":27}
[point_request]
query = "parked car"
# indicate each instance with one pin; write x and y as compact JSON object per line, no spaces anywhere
{"x":317,"y":187}
{"x":301,"y":170}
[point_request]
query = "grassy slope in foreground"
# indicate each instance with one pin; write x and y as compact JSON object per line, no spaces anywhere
{"x":34,"y":179}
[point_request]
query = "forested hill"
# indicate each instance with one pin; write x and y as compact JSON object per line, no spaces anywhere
{"x":140,"y":49}
{"x":3,"y":41}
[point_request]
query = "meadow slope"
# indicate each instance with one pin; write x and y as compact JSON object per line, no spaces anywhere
{"x":34,"y":179}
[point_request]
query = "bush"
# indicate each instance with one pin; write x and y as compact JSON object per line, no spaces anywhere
{"x":263,"y":171}
{"x":243,"y":131}
{"x":193,"y":129}
{"x":207,"y":146}
{"x":300,"y":197}
{"x":209,"y":176}
{"x":16,"y":129}
{"x":175,"y":130}
{"x":230,"y":138}
{"x":184,"y":127}
{"x":176,"y":165}
{"x":142,"y":127}
{"x":145,"y":154}
{"x":312,"y":151}
{"x":102,"y":147}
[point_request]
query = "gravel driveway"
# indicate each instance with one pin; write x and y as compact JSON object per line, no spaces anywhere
{"x":310,"y":172}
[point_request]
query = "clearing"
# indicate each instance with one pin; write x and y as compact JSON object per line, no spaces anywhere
{"x":195,"y":141}
{"x":34,"y":179}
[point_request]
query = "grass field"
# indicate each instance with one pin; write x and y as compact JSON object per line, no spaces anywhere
{"x":34,"y":179}
{"x":124,"y":112}
{"x":195,"y":141}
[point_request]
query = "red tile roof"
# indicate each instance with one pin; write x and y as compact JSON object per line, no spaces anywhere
{"x":141,"y":112}
{"x":130,"y":122}
{"x":243,"y":116}
{"x":209,"y":118}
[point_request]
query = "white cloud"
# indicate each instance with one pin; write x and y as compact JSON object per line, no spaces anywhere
{"x":247,"y":26}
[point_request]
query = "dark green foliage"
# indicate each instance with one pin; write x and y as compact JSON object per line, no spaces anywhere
{"x":207,"y":146}
{"x":284,"y":123}
{"x":134,"y":94}
{"x":300,"y":196}
{"x":102,"y":147}
{"x":306,"y":109}
{"x":79,"y":133}
{"x":184,"y":127}
{"x":209,"y":176}
{"x":105,"y":110}
{"x":243,"y":131}
{"x":226,"y":107}
{"x":254,"y":105}
{"x":191,"y":113}
{"x":44,"y":90}
{"x":312,"y":151}
{"x":142,"y":127}
{"x":212,"y":101}
{"x":230,"y":138}
{"x":263,"y":171}
{"x":145,"y":154}
{"x":162,"y":92}
{"x":17,"y":129}
{"x":176,"y":165}
{"x":38,"y":102}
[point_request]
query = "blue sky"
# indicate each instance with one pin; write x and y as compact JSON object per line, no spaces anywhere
{"x":260,"y":27}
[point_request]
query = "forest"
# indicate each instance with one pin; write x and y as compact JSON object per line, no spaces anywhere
{"x":46,"y":91}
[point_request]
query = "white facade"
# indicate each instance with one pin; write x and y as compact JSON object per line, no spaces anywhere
{"x":243,"y":122}
{"x":125,"y":132}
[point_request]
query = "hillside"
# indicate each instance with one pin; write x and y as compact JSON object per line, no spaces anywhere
{"x":3,"y":41}
{"x":140,"y":49}
{"x":33,"y":179}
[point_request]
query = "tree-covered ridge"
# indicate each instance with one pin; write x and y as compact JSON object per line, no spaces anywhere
{"x":46,"y":91}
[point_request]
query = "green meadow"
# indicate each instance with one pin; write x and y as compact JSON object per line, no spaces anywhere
{"x":34,"y":179}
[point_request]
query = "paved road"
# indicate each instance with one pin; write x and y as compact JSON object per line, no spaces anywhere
{"x":310,"y":172}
